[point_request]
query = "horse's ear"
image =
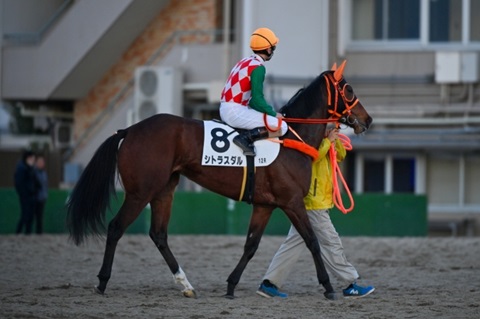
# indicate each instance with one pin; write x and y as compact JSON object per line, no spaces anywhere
{"x":334,"y":66}
{"x":339,"y":72}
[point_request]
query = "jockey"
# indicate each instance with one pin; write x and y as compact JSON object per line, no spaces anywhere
{"x":242,"y":102}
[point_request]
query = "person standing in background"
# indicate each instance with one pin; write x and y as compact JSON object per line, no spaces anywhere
{"x":42,"y":194}
{"x":26,"y":185}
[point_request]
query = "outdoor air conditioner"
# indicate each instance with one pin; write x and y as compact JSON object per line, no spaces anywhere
{"x":157,"y":90}
{"x":63,"y":134}
{"x":456,"y":67}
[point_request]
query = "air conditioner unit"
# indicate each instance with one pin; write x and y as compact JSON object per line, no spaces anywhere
{"x":456,"y":67}
{"x":157,"y":90}
{"x":63,"y":134}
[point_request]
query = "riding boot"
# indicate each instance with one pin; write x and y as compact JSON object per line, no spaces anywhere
{"x":245,"y":139}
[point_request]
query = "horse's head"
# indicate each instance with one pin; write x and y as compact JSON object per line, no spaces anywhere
{"x":329,"y":98}
{"x":342,"y":102}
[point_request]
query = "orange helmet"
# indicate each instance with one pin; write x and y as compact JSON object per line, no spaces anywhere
{"x":262,"y":39}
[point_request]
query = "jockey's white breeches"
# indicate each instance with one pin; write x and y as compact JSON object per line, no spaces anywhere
{"x":240,"y":116}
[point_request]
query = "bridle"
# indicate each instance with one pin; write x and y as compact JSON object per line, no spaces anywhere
{"x":350,"y":101}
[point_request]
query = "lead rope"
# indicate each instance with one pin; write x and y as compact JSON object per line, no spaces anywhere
{"x":337,"y":197}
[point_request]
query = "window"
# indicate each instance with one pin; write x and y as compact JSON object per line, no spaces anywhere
{"x":386,"y":19}
{"x":384,"y":173}
{"x":374,"y":175}
{"x":452,"y":183}
{"x":443,"y":180}
{"x":445,"y":21}
{"x":403,"y":175}
{"x":472,"y":180}
{"x":474,"y":20}
{"x":419,"y":22}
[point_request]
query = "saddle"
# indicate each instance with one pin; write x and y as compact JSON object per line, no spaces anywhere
{"x":220,"y":150}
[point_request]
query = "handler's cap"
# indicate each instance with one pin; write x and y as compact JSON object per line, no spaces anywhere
{"x":263,"y":38}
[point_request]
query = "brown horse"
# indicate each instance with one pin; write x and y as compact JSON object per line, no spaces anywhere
{"x":154,"y":153}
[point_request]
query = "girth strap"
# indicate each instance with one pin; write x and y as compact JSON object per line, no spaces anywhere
{"x":248,"y":183}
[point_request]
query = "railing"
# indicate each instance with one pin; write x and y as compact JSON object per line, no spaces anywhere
{"x":178,"y":37}
{"x":36,"y":37}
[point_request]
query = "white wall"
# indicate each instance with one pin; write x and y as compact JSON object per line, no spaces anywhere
{"x":301,"y":26}
{"x":33,"y":72}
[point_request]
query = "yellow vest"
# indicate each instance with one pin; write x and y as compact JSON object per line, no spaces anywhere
{"x":320,"y":194}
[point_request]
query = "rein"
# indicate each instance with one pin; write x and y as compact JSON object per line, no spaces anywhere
{"x":309,"y":121}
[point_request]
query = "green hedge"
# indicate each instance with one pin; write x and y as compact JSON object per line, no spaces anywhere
{"x":209,"y":213}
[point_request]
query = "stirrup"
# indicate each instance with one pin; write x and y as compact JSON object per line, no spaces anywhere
{"x":246,"y":146}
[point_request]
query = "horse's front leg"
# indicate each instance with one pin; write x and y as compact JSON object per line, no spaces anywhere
{"x":300,"y":221}
{"x":258,"y":222}
{"x":160,"y":240}
{"x":161,"y":211}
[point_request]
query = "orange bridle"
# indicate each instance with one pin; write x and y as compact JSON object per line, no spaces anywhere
{"x":349,"y":99}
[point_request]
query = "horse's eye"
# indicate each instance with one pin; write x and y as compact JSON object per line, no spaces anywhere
{"x":348,"y":93}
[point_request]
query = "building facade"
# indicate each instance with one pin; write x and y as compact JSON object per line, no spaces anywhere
{"x":92,"y":67}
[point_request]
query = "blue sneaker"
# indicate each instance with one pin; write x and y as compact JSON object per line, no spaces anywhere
{"x":269,"y":292}
{"x":356,"y":291}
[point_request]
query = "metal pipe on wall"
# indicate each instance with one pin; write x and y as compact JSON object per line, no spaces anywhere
{"x":226,"y":36}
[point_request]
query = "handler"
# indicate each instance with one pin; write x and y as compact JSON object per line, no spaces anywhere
{"x":318,"y":202}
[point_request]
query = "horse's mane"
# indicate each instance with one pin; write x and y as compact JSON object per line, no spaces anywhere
{"x":303,"y":103}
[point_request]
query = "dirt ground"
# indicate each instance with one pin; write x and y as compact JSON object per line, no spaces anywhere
{"x":48,"y":277}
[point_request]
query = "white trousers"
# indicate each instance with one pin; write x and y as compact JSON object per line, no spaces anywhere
{"x":240,"y":116}
{"x":330,"y":245}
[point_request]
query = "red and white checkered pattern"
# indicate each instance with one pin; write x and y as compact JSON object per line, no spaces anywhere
{"x":238,"y":87}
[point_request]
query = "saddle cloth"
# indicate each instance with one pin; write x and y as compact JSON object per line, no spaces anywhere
{"x":219,"y":150}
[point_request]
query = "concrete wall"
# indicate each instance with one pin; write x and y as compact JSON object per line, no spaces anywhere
{"x":177,"y":15}
{"x":73,"y":55}
{"x":27,"y":16}
{"x":40,"y":68}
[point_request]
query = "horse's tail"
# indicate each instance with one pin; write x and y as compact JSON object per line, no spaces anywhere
{"x":90,"y":197}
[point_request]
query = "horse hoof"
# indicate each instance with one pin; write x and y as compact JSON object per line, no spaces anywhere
{"x":331,"y":295}
{"x":98,"y":291}
{"x":231,"y":297}
{"x":190,"y":294}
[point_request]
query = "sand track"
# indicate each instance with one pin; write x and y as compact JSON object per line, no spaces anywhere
{"x":48,"y":277}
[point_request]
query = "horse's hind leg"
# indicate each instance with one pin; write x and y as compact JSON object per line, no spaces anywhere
{"x":161,"y":211}
{"x":258,"y":222}
{"x":116,"y":228}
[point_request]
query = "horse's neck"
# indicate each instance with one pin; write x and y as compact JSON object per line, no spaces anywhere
{"x":314,"y":134}
{"x":317,"y":98}
{"x":320,"y":113}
